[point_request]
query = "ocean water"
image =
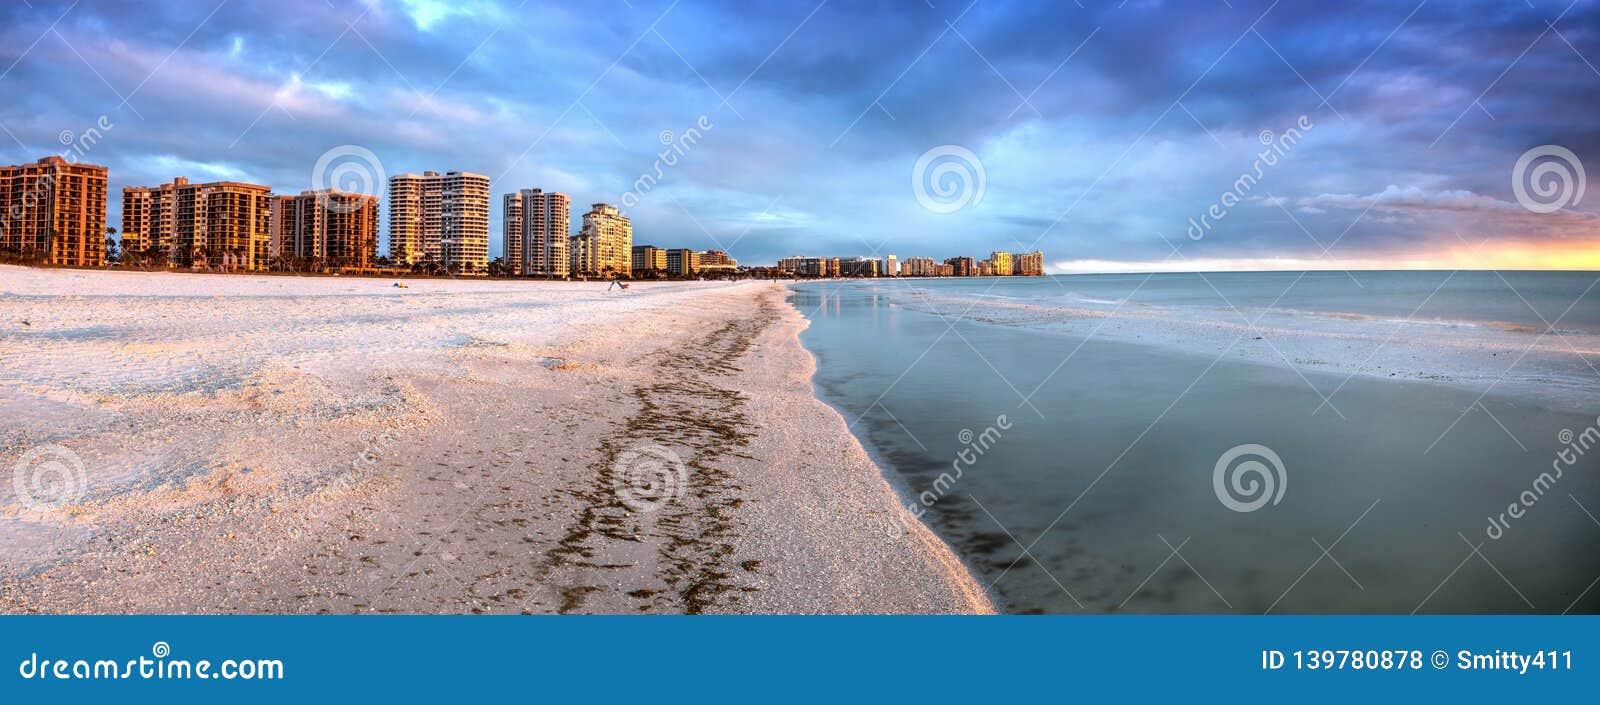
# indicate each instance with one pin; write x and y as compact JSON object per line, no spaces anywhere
{"x":1077,"y":472}
{"x":1508,"y":300}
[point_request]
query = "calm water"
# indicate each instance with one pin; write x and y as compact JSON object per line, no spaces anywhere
{"x":1524,"y":299}
{"x":1109,"y":465}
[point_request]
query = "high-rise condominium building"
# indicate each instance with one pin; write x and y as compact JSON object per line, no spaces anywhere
{"x":890,"y":266}
{"x":280,"y":227}
{"x":791,"y":265}
{"x":960,"y":266}
{"x":1002,"y":263}
{"x":1030,"y":264}
{"x":327,"y":228}
{"x":546,"y":222}
{"x":648,"y":260}
{"x":604,"y":247}
{"x":716,"y":262}
{"x":222,"y":224}
{"x":511,"y":231}
{"x":858,"y":267}
{"x":683,"y":262}
{"x":919,"y":267}
{"x":54,"y":209}
{"x":440,"y":218}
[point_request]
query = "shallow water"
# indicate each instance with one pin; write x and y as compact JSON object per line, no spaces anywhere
{"x":1109,"y":462}
{"x":1525,"y":301}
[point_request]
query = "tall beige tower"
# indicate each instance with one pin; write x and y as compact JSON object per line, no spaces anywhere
{"x":605,"y":244}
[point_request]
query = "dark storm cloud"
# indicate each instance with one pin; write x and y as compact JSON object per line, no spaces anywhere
{"x":1101,"y":129}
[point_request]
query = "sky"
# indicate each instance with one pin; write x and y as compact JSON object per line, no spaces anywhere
{"x":1107,"y":134}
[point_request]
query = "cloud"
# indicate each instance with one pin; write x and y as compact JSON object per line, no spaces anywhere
{"x":1412,"y":198}
{"x":821,"y":111}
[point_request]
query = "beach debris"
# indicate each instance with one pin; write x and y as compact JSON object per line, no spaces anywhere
{"x":401,"y":285}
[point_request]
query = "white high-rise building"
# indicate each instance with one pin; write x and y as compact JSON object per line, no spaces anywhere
{"x":440,"y":218}
{"x":511,"y":232}
{"x":546,"y":221}
{"x":890,"y":268}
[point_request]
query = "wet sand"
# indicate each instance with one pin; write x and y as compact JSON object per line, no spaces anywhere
{"x":455,"y":447}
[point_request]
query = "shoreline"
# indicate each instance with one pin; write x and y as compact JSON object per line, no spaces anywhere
{"x":897,"y":480}
{"x":442,"y":449}
{"x":961,"y":572}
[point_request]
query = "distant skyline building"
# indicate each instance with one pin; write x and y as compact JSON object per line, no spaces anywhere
{"x":1001,"y":262}
{"x":716,"y":261}
{"x":683,"y":262}
{"x":55,"y":209}
{"x":221,"y":224}
{"x":1030,"y":264}
{"x":604,"y":247}
{"x":960,"y":266}
{"x":545,"y":232}
{"x":919,"y":267}
{"x":858,"y":267}
{"x":648,"y":260}
{"x":891,"y":268}
{"x":440,"y":218}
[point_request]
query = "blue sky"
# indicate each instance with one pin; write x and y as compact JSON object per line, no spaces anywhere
{"x":1101,"y":129}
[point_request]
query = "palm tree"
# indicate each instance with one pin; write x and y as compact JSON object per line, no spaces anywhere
{"x":113,"y":254}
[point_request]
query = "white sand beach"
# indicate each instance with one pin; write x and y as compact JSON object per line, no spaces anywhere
{"x":190,"y":443}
